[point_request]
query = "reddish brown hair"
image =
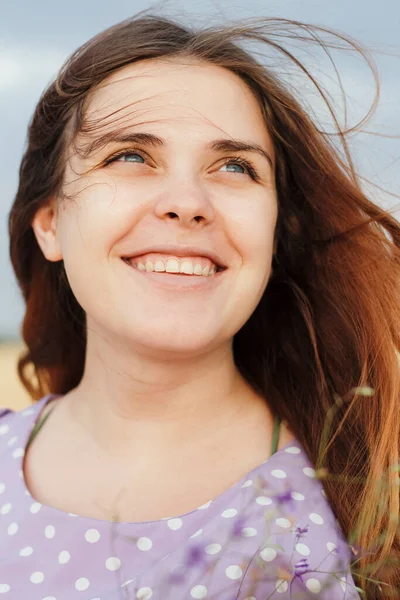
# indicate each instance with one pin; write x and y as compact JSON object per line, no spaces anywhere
{"x":328,"y":323}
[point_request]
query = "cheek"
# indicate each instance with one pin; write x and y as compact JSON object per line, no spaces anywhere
{"x":91,"y":225}
{"x":254,"y":233}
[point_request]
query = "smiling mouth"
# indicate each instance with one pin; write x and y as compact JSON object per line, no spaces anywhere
{"x":186,"y":269}
{"x":178,"y":281}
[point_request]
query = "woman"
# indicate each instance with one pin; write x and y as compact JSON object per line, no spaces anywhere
{"x":212,"y":311}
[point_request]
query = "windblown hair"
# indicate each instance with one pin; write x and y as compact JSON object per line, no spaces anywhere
{"x":323,"y":344}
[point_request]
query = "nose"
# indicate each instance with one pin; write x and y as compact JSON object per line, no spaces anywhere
{"x":187,"y":203}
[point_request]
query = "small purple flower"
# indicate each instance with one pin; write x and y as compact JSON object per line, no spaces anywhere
{"x":285,"y":498}
{"x":300,"y":568}
{"x":300,"y":532}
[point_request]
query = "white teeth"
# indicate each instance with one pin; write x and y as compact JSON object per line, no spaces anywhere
{"x":186,"y":267}
{"x":159,"y":266}
{"x":174,"y":266}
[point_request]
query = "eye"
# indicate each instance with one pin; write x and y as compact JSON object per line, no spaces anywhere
{"x":124,"y":156}
{"x":246,"y":165}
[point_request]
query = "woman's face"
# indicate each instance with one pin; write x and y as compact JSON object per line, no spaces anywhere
{"x":175,"y":191}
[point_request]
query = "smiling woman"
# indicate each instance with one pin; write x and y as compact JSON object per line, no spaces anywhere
{"x":212,"y":316}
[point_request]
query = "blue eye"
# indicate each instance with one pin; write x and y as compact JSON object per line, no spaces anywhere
{"x":232,"y":163}
{"x":127,"y":156}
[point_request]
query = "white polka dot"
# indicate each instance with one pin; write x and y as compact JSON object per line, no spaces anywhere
{"x":5,"y":509}
{"x":213,"y":548}
{"x":27,"y":551}
{"x":233,"y":572}
{"x":92,"y":536}
{"x":249,"y":532}
{"x":37,"y":577}
{"x":331,"y":546}
{"x":12,"y":441}
{"x":72,"y":515}
{"x":123,"y":585}
{"x":293,"y":450}
{"x":279,"y":473}
{"x":309,"y":471}
{"x":316,"y":518}
{"x":198,"y":592}
{"x":268,"y":554}
{"x":27,"y":412}
{"x":64,"y":557}
{"x":113,"y":563}
{"x":297,"y":496}
{"x":82,"y":584}
{"x":174,"y":524}
{"x":2,"y":488}
{"x":49,"y":598}
{"x":323,"y":493}
{"x":144,"y":593}
{"x":313,"y":585}
{"x":144,"y":543}
{"x":4,"y":429}
{"x":49,"y":532}
{"x":18,"y":452}
{"x":35,"y":507}
{"x":27,"y":493}
{"x":247,"y":483}
{"x":281,"y":586}
{"x":204,"y":506}
{"x":250,"y":598}
{"x":263,"y":500}
{"x":229,"y":513}
{"x":4,"y":587}
{"x":198,"y":532}
{"x":12,"y":529}
{"x":282,"y":522}
{"x":303,"y":549}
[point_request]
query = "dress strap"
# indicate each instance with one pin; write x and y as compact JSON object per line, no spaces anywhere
{"x":38,"y":427}
{"x":275,"y":435}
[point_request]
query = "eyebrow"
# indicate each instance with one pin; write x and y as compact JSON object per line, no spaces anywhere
{"x":150,"y":139}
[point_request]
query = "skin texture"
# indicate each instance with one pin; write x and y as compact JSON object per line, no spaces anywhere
{"x":159,"y":375}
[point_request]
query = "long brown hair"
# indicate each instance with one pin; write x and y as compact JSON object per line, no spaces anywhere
{"x":323,"y":343}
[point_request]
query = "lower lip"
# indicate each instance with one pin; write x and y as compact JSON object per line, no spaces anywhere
{"x":171,"y":281}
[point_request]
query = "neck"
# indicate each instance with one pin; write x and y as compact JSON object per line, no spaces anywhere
{"x":144,"y":405}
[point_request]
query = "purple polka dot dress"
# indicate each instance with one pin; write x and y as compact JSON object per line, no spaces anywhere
{"x":271,"y":535}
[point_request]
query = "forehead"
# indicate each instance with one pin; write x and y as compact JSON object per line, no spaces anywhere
{"x":186,"y":97}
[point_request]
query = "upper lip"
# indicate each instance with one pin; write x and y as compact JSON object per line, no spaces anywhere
{"x":180,"y":251}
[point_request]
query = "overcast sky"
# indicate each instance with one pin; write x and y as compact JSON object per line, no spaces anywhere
{"x":36,"y":37}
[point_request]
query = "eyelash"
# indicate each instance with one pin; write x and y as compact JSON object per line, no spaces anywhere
{"x":252,"y":171}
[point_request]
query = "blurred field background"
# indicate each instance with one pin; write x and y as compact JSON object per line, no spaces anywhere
{"x":12,"y":392}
